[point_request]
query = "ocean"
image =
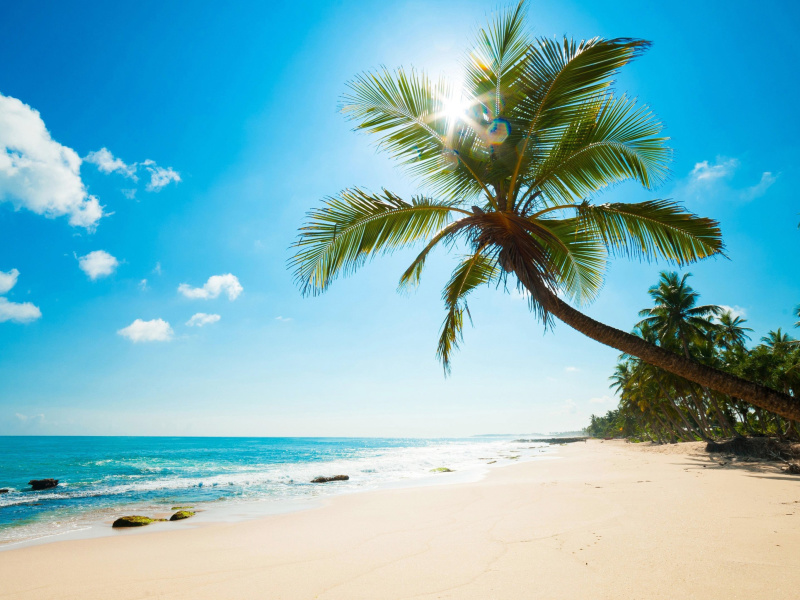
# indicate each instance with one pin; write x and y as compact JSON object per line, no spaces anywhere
{"x":101,"y":478}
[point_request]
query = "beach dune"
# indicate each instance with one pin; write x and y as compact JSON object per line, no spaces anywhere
{"x":605,"y":520}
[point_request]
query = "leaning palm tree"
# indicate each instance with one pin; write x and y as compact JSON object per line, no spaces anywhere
{"x":510,"y":165}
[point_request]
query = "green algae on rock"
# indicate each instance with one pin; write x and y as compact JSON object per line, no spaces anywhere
{"x":132,"y":521}
{"x":181,"y":514}
{"x":441,"y":470}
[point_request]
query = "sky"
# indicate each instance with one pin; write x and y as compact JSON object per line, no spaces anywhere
{"x":156,"y":160}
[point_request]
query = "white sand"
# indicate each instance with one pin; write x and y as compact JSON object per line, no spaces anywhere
{"x":608,"y":520}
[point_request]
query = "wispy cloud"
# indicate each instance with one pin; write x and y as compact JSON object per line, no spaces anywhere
{"x":283,"y":319}
{"x":759,"y":189}
{"x":160,"y":177}
{"x":39,"y":174}
{"x":15,"y":312}
{"x":571,"y":369}
{"x":107,"y":163}
{"x":602,"y":400}
{"x":143,"y":285}
{"x":8,"y":279}
{"x":705,"y":172}
{"x":98,"y":264}
{"x":156,"y":330}
{"x":567,"y":407}
{"x":216,"y":285}
{"x":202,"y":319}
{"x":29,"y":419}
{"x":736,"y":311}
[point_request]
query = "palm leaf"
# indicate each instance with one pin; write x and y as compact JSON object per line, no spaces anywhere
{"x":412,"y":275}
{"x":347,"y":229}
{"x":559,"y":78}
{"x":652,"y":229}
{"x":473,"y":271}
{"x":613,"y":141}
{"x":578,"y":260}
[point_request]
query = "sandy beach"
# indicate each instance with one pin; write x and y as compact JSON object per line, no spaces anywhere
{"x":606,"y":520}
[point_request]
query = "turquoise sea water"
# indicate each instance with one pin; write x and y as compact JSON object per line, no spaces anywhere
{"x":104,"y":477}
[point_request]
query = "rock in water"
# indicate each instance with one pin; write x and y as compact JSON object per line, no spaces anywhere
{"x":441,"y":470}
{"x":132,"y":521}
{"x":327,"y":479}
{"x":181,"y":514}
{"x":43,"y":484}
{"x":4,"y":491}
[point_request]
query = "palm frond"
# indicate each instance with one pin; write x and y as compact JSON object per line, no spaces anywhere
{"x":559,"y":78}
{"x":412,"y":275}
{"x":351,"y":227}
{"x":578,"y":260}
{"x":472,"y":272}
{"x":652,"y":229}
{"x":408,"y":113}
{"x":614,"y":140}
{"x":495,"y":63}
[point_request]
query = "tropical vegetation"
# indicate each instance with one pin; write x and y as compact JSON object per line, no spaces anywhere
{"x":660,"y":406}
{"x":510,"y":168}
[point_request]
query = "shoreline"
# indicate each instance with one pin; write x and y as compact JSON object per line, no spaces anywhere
{"x":97,"y":524}
{"x":608,"y":520}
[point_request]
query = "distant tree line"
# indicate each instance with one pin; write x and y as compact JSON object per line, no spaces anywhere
{"x":659,"y":406}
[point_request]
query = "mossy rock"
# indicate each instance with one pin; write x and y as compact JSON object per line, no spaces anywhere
{"x":441,"y":470}
{"x":181,"y":507}
{"x":132,"y":521}
{"x":181,"y":514}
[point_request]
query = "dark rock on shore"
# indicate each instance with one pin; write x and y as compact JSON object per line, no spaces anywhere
{"x":132,"y":521}
{"x":43,"y":484}
{"x":182,"y":514}
{"x":565,"y":440}
{"x":4,"y":491}
{"x":327,"y":479}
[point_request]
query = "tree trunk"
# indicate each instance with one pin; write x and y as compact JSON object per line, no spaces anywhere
{"x":724,"y":383}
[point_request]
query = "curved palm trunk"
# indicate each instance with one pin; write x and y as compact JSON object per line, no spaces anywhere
{"x":725,"y":383}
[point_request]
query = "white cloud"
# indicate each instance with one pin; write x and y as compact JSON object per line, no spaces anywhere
{"x":39,"y":174}
{"x":8,"y":279}
{"x":29,"y":419}
{"x":157,"y":269}
{"x":283,"y":319}
{"x":160,"y":177}
{"x":704,"y":172}
{"x":157,"y":330}
{"x":571,"y":369}
{"x":567,"y":407}
{"x":759,"y":189}
{"x":98,"y":264}
{"x":602,"y":400}
{"x":215,"y":285}
{"x":106,"y":163}
{"x":130,"y":194}
{"x":736,"y":311}
{"x":143,"y":285}
{"x":202,"y":319}
{"x":18,"y":312}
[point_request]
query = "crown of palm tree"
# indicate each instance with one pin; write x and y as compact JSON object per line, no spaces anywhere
{"x":676,"y":319}
{"x":510,"y":165}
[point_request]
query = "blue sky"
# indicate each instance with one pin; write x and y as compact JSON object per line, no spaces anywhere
{"x":225,"y":127}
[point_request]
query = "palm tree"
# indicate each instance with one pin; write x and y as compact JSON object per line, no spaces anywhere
{"x":676,"y":315}
{"x":510,"y":165}
{"x":777,"y":340}
{"x":731,"y":332}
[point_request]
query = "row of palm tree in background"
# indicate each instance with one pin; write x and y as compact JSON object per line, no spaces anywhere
{"x":659,"y":406}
